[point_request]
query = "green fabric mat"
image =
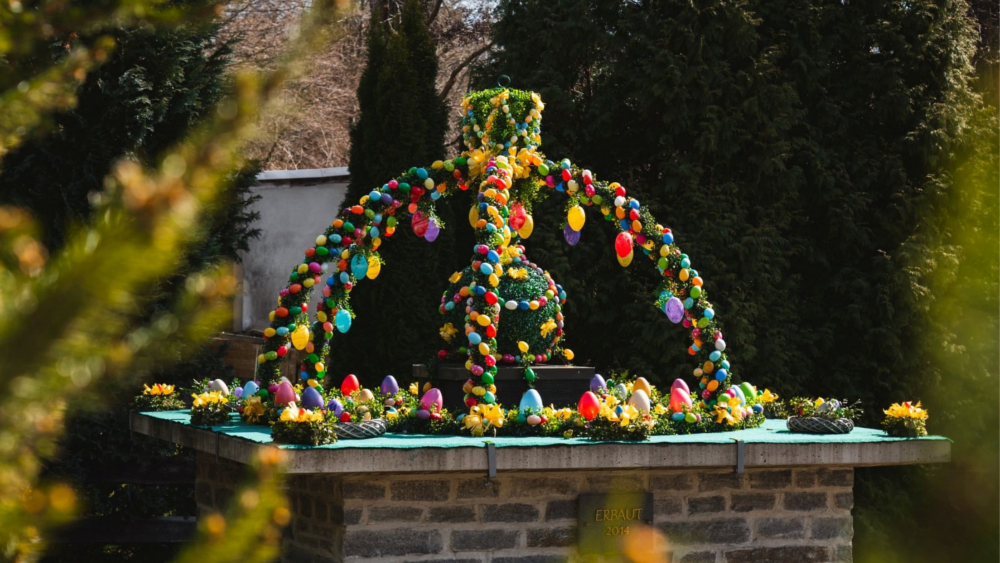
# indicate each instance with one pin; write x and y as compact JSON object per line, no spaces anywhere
{"x":773,"y":432}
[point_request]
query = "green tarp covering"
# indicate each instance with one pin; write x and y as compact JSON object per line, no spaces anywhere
{"x":773,"y":432}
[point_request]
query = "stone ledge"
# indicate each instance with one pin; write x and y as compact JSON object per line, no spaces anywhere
{"x":670,"y":452}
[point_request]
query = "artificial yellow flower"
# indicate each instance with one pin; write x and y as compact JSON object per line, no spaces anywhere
{"x":568,"y":433}
{"x":474,"y":424}
{"x":391,"y":415}
{"x":517,"y":273}
{"x":494,"y":415}
{"x":628,"y":414}
{"x":448,"y":332}
{"x":548,"y":327}
{"x":723,"y":415}
{"x":659,"y":409}
{"x":158,"y":389}
{"x":906,"y":410}
{"x":210,"y":398}
{"x":767,"y":396}
{"x":818,"y":402}
{"x":253,"y":409}
{"x":295,"y":414}
{"x":455,"y":277}
{"x":414,"y":389}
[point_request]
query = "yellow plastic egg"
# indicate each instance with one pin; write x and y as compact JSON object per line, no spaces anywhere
{"x":527,"y":228}
{"x":374,"y":267}
{"x":483,"y":320}
{"x":576,"y":217}
{"x":522,"y":346}
{"x":484,"y":348}
{"x":568,"y":354}
{"x":300,"y":337}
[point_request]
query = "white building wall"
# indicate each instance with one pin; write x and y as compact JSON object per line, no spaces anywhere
{"x":295,"y":207}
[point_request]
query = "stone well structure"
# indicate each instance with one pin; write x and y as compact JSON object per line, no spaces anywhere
{"x":751,"y":496}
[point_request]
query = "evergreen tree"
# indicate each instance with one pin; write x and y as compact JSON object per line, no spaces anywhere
{"x":804,"y":153}
{"x":155,"y":88}
{"x":402,"y":123}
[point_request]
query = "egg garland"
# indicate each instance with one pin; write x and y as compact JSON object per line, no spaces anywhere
{"x":501,"y":131}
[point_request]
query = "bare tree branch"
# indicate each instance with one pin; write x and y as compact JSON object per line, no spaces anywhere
{"x":461,"y":66}
{"x":434,"y":12}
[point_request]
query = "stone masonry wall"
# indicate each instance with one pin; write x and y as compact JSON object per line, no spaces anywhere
{"x":800,"y":515}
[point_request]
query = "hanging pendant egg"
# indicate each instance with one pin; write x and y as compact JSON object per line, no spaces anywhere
{"x":374,"y":267}
{"x":420,"y":223}
{"x":527,"y":228}
{"x":433,"y":230}
{"x":359,"y":266}
{"x":572,"y":237}
{"x":623,"y":244}
{"x":625,"y":260}
{"x":576,"y":217}
{"x":300,"y":337}
{"x":342,"y":320}
{"x":674,"y":308}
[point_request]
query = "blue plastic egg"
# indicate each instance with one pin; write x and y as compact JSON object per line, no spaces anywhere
{"x":530,"y":400}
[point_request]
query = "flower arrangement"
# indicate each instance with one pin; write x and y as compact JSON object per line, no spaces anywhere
{"x":617,"y":421}
{"x":407,"y":413}
{"x":483,"y":418}
{"x":822,"y":416}
{"x":829,"y":409}
{"x":209,"y":409}
{"x":905,"y":420}
{"x":303,"y":427}
{"x":159,"y":397}
{"x":774,"y":407}
{"x":257,"y":409}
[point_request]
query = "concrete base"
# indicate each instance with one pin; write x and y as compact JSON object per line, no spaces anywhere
{"x":558,"y":385}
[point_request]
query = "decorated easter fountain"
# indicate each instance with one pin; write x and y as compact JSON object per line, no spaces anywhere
{"x":502,"y":309}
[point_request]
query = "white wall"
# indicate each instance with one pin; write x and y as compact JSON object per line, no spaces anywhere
{"x":295,"y":207}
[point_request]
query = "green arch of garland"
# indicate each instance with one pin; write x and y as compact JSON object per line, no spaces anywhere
{"x":348,"y":250}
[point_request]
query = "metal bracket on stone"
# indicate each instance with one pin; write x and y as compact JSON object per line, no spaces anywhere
{"x":491,"y":459}
{"x":740,"y":456}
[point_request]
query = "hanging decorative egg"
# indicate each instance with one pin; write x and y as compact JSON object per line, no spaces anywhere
{"x":527,"y":228}
{"x":374,"y":267}
{"x":531,"y":400}
{"x":572,"y":237}
{"x":589,"y":406}
{"x":576,"y":217}
{"x":420,"y":223}
{"x":311,"y":399}
{"x":359,"y":266}
{"x":350,"y":385}
{"x":300,"y":337}
{"x":433,"y":230}
{"x":640,"y":400}
{"x":342,"y":320}
{"x":517,"y":216}
{"x":623,"y":244}
{"x":625,"y":260}
{"x":674,"y":308}
{"x":389,"y":386}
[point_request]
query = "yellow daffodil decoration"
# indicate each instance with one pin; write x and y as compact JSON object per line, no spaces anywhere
{"x":209,"y":409}
{"x":158,"y":389}
{"x":905,"y":420}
